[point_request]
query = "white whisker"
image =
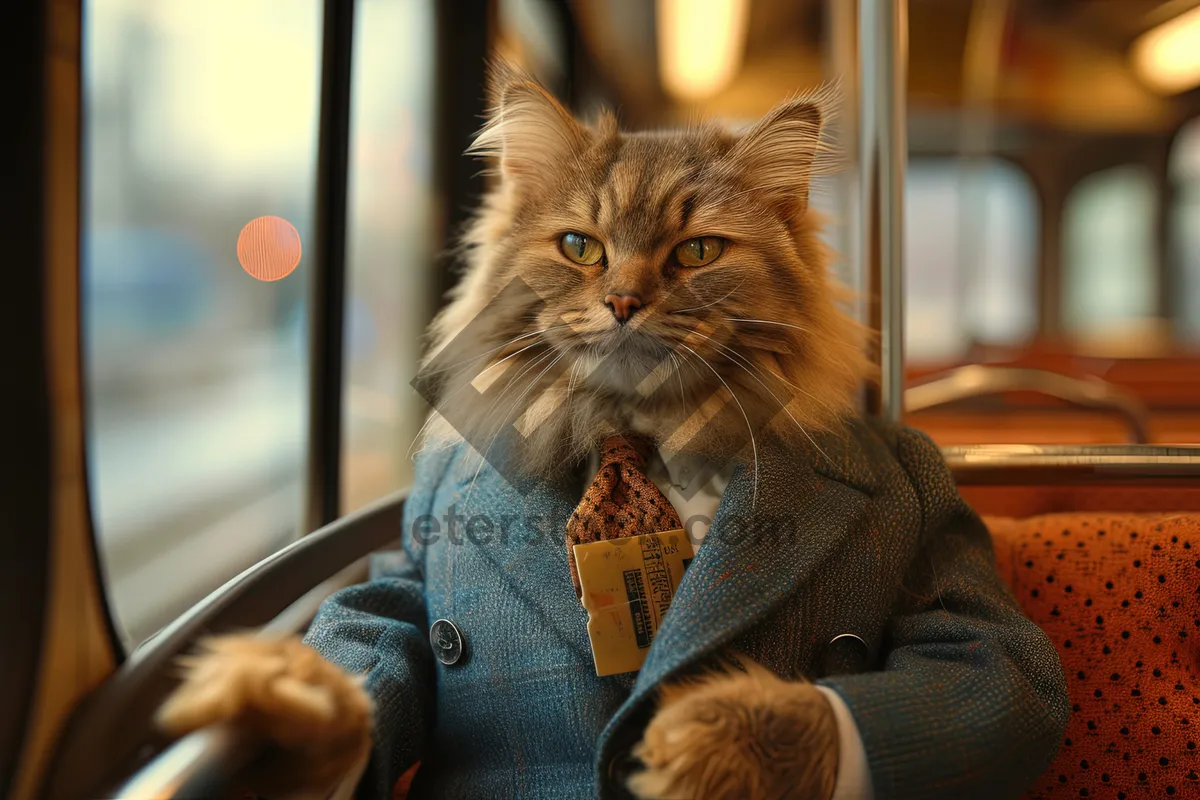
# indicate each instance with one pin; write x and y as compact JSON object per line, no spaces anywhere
{"x":706,"y":305}
{"x":768,"y":322}
{"x":465,"y":384}
{"x":675,"y":364}
{"x":511,"y":408}
{"x":514,"y":340}
{"x":753,"y":442}
{"x":730,"y":351}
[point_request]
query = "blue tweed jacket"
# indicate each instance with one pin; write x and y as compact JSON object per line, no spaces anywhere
{"x":954,"y":692}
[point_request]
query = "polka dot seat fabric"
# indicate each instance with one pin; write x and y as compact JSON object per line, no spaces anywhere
{"x":1119,"y":595}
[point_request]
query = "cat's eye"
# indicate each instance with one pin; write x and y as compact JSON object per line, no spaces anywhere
{"x":581,"y":249}
{"x":700,"y":251}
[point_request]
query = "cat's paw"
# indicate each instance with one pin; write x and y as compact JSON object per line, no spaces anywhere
{"x":739,"y":735}
{"x":314,"y":717}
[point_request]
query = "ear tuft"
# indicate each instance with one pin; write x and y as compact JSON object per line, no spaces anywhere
{"x":527,"y":131}
{"x":783,"y":152}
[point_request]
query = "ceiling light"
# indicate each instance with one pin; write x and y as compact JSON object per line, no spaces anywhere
{"x":700,"y":44}
{"x":1167,"y":58}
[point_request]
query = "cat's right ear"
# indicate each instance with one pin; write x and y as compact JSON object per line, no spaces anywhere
{"x":528,"y":132}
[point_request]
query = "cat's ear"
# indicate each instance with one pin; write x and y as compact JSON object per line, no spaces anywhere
{"x":778,"y":155}
{"x":529,"y":133}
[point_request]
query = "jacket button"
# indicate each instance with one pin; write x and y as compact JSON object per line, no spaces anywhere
{"x":845,"y":654}
{"x":620,"y":768}
{"x":447,"y":641}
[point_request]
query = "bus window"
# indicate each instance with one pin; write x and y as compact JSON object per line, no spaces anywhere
{"x":1110,"y":276}
{"x":389,"y":286}
{"x":200,"y":117}
{"x":1185,"y":230}
{"x":971,"y":241}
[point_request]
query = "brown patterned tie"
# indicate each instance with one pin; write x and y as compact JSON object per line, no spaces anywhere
{"x":621,"y":501}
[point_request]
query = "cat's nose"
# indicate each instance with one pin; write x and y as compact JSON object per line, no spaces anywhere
{"x":623,"y":305}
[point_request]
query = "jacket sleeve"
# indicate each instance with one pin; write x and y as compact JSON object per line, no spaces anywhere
{"x":971,"y":701}
{"x":379,"y":629}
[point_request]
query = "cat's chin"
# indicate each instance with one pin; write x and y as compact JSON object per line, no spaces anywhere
{"x":631,"y":367}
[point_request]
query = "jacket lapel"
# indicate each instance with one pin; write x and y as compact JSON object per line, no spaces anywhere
{"x":525,"y":548}
{"x":765,"y":543}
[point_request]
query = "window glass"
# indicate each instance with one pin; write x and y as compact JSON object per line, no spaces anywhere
{"x":390,"y":249}
{"x":971,"y":243}
{"x":200,"y":117}
{"x":1185,"y":230}
{"x":1110,"y":282}
{"x":529,"y":34}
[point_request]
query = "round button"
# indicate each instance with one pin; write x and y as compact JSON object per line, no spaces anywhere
{"x":447,"y":641}
{"x":846,"y":653}
{"x":620,"y":767}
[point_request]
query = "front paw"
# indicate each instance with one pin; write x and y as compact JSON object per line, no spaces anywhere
{"x":314,"y":717}
{"x":739,"y":735}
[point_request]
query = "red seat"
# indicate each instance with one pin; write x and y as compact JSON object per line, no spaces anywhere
{"x":1119,"y":595}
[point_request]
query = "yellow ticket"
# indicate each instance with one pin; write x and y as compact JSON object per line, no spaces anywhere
{"x":628,"y":585}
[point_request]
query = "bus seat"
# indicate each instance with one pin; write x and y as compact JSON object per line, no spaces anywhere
{"x":1117,"y":593}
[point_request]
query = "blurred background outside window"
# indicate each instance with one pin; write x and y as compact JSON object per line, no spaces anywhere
{"x":971,"y":237}
{"x":1111,"y":284}
{"x":200,"y":117}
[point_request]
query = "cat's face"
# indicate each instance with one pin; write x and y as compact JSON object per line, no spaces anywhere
{"x":662,"y":266}
{"x":641,"y":238}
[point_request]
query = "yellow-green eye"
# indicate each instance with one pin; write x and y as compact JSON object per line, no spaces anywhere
{"x":700,"y":251}
{"x":581,"y":249}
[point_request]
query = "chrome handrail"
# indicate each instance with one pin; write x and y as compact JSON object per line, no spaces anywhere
{"x":213,"y":756}
{"x":978,"y":380}
{"x":1023,"y":464}
{"x":97,"y":754}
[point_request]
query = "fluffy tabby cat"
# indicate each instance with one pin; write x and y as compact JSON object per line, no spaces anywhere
{"x":704,"y":240}
{"x":713,"y":235}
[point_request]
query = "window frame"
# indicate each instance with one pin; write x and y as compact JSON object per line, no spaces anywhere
{"x":25,"y":477}
{"x":107,"y":734}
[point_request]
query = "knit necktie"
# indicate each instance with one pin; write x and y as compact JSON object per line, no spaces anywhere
{"x":621,"y":501}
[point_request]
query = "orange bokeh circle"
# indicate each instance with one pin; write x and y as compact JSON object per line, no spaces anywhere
{"x":268,"y":248}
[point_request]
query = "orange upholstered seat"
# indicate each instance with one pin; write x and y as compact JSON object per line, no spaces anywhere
{"x":1119,"y":595}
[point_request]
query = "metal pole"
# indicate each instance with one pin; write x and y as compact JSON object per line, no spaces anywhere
{"x":883,"y":47}
{"x":328,"y":287}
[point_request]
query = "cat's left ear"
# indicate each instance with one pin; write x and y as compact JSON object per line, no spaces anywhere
{"x":778,"y":154}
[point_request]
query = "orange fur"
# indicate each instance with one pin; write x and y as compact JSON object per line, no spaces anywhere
{"x":282,"y":692}
{"x":766,"y":308}
{"x":739,"y":735}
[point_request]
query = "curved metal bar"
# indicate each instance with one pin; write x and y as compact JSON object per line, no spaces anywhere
{"x":109,"y":733}
{"x":1023,"y":464}
{"x":978,"y":380}
{"x":201,"y":764}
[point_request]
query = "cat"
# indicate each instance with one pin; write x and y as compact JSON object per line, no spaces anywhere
{"x":760,"y":316}
{"x":658,"y":276}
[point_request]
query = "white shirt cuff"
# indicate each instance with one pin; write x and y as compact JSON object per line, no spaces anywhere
{"x":853,"y":777}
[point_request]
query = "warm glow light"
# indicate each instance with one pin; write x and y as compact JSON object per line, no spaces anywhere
{"x":1167,"y":58}
{"x":700,"y":45}
{"x":268,"y":248}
